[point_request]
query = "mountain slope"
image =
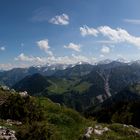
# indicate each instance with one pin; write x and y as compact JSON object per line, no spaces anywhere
{"x":11,"y":77}
{"x":32,"y":84}
{"x":122,"y":107}
{"x":78,"y":70}
{"x":109,"y":79}
{"x":84,"y":85}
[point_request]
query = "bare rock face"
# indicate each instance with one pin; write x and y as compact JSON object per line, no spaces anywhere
{"x":134,"y":129}
{"x":88,"y":133}
{"x":24,"y":94}
{"x":13,"y":122}
{"x":99,"y":130}
{"x":7,"y":134}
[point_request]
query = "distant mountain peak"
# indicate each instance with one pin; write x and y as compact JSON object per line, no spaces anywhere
{"x":105,"y":61}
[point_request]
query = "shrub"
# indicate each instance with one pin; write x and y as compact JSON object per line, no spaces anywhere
{"x":38,"y":131}
{"x":21,"y":108}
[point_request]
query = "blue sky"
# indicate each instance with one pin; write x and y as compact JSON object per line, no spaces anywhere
{"x":36,"y":32}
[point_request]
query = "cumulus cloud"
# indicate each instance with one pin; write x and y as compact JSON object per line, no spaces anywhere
{"x":85,"y":30}
{"x":25,"y":58}
{"x":132,"y":21}
{"x":2,"y":48}
{"x":44,"y":45}
{"x":105,"y":50}
{"x":73,"y":46}
{"x":117,"y":35}
{"x":60,"y":19}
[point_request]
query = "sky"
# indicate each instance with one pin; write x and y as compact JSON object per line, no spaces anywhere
{"x":37,"y":32}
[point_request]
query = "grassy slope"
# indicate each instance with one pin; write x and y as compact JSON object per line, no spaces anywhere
{"x":61,"y":86}
{"x":68,"y":122}
{"x":71,"y":125}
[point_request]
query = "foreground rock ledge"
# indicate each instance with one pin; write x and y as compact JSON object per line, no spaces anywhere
{"x":7,"y":134}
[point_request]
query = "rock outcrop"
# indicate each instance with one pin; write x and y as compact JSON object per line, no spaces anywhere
{"x":7,"y":134}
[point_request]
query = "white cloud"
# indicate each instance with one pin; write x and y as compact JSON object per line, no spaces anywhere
{"x":105,"y":50}
{"x":60,"y":19}
{"x":118,"y":35}
{"x":85,"y":30}
{"x":44,"y":45}
{"x":5,"y":66}
{"x":2,"y":48}
{"x":50,"y":53}
{"x":31,"y":60}
{"x":23,"y":57}
{"x":101,"y":56}
{"x":132,"y":21}
{"x":73,"y":46}
{"x":73,"y":59}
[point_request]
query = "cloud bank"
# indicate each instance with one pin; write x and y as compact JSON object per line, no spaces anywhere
{"x":73,"y":59}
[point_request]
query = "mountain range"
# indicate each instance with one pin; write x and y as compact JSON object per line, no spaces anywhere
{"x":93,"y":83}
{"x":13,"y":76}
{"x":77,"y":86}
{"x":108,"y":92}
